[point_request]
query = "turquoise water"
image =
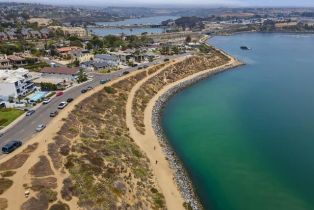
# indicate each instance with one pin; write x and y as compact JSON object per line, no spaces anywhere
{"x":37,"y":96}
{"x":246,"y":136}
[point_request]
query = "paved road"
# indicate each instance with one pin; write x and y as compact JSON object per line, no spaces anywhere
{"x":25,"y":129}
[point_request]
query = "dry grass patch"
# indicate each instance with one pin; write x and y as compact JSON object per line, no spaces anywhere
{"x":59,"y":206}
{"x":3,"y":203}
{"x":18,"y":160}
{"x":41,"y":168}
{"x":8,"y":173}
{"x":5,"y":184}
{"x":42,"y":183}
{"x":15,"y":162}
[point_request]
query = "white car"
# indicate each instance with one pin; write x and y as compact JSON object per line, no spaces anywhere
{"x":47,"y":101}
{"x":62,"y":105}
{"x":40,"y":127}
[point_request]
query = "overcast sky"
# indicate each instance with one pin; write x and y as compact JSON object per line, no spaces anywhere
{"x":287,"y":3}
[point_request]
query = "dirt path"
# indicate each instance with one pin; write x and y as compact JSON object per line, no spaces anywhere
{"x":150,"y":145}
{"x":149,"y":142}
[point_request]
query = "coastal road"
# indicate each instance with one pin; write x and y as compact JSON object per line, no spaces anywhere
{"x":25,"y":129}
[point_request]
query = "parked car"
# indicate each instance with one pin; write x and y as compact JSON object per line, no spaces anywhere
{"x":30,"y":112}
{"x":125,"y":73}
{"x":69,"y":100}
{"x":40,"y":127}
{"x":103,"y":81}
{"x":59,"y":93}
{"x":166,"y":59}
{"x":84,"y":90}
{"x":47,"y":101}
{"x":53,"y":114}
{"x":140,"y":67}
{"x":62,"y":105}
{"x":145,"y":66}
{"x":89,"y":88}
{"x":11,"y":146}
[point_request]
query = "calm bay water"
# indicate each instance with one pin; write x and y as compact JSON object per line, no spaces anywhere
{"x":246,"y":136}
{"x":134,"y":31}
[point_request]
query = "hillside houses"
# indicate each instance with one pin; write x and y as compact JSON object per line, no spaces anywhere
{"x":24,"y":33}
{"x":16,"y":60}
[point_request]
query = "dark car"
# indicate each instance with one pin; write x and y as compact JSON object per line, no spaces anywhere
{"x":104,"y":81}
{"x":83,"y":90}
{"x":70,"y":100}
{"x":53,"y":114}
{"x":166,"y":59}
{"x":11,"y":146}
{"x":140,"y":67}
{"x":30,"y":112}
{"x":125,"y":72}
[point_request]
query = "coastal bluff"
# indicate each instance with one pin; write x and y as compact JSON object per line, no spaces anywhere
{"x":103,"y":152}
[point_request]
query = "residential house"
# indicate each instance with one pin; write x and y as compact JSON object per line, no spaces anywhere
{"x":101,"y":61}
{"x":5,"y":62}
{"x":35,"y":34}
{"x":98,"y":64}
{"x":64,"y":73}
{"x":65,"y":51}
{"x":81,"y":55}
{"x":107,"y":57}
{"x":45,"y":33}
{"x":12,"y":34}
{"x":123,"y":56}
{"x":3,"y":36}
{"x":16,"y":60}
{"x":15,"y":83}
{"x":25,"y":33}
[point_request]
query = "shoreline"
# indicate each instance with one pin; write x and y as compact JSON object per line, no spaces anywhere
{"x":180,"y":173}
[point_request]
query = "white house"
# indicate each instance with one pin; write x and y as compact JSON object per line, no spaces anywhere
{"x":15,"y":83}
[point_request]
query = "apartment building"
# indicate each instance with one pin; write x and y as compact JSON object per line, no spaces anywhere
{"x":15,"y":83}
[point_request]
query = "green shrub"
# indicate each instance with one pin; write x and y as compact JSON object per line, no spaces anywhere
{"x":110,"y":90}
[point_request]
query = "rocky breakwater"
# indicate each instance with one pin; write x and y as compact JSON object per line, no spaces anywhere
{"x":182,"y":178}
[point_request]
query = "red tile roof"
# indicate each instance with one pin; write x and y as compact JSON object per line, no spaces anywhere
{"x":67,"y":49}
{"x":60,"y":70}
{"x":15,"y":58}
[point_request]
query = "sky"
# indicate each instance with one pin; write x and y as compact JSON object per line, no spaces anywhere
{"x":231,"y":3}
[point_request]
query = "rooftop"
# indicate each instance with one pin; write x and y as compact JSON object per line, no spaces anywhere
{"x":11,"y":76}
{"x":60,"y":70}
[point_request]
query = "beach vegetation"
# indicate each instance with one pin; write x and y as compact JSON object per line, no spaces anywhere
{"x":5,"y":184}
{"x":8,"y":173}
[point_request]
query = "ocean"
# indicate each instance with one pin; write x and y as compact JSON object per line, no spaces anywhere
{"x":246,"y":136}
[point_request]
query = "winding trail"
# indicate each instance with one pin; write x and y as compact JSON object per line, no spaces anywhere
{"x":149,"y":144}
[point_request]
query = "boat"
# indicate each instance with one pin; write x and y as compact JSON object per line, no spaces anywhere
{"x":245,"y":48}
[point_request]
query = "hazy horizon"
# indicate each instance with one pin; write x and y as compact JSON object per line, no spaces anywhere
{"x":178,"y":3}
